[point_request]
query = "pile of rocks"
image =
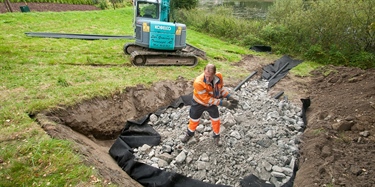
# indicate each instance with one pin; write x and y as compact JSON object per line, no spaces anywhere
{"x":260,"y":137}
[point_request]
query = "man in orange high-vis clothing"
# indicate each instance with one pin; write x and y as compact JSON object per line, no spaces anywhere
{"x":209,"y":92}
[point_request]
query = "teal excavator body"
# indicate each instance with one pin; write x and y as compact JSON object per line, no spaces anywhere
{"x":157,"y":40}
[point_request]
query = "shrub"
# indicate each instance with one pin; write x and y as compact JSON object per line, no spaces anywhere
{"x":103,"y":4}
{"x":183,"y":4}
{"x":219,"y":22}
{"x":335,"y":30}
{"x":363,"y":60}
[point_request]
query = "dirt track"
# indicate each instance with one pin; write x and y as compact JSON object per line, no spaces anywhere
{"x":338,"y":145}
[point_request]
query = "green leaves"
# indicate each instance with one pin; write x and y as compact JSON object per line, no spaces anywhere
{"x":330,"y":31}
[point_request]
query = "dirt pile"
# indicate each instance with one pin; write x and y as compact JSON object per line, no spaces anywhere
{"x":339,"y":142}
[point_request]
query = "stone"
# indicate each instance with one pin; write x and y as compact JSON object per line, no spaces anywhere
{"x":259,"y":138}
{"x":166,"y":157}
{"x":153,"y":118}
{"x":201,"y":165}
{"x":162,"y":163}
{"x":343,"y":125}
{"x":236,"y":135}
{"x":204,"y":157}
{"x":181,"y":157}
{"x":365,"y":133}
{"x":144,"y":148}
{"x":278,"y":174}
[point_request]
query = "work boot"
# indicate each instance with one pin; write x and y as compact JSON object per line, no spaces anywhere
{"x":217,"y":141}
{"x":186,"y":138}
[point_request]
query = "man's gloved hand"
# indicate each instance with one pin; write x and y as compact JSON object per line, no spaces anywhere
{"x":225,"y":103}
{"x":233,"y":99}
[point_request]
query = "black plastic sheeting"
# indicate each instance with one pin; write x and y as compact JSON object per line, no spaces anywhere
{"x":243,"y":82}
{"x":278,"y":70}
{"x":135,"y":134}
{"x":305,"y":104}
{"x":138,"y":132}
{"x":261,"y":48}
{"x":76,"y":36}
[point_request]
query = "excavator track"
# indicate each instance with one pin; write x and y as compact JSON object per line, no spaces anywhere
{"x":196,"y":51}
{"x":131,"y":47}
{"x":150,"y":58}
{"x":141,"y":56}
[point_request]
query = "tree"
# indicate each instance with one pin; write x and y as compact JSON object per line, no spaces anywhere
{"x":337,"y":31}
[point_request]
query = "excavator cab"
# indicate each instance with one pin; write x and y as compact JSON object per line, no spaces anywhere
{"x":152,"y":29}
{"x":147,"y":10}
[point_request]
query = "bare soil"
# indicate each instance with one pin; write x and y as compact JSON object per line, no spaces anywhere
{"x":333,"y":151}
{"x":337,"y":148}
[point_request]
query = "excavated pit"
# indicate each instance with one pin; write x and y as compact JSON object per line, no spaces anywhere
{"x":94,"y":125}
{"x":330,"y":105}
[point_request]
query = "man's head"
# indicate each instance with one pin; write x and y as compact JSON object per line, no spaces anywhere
{"x":209,"y":72}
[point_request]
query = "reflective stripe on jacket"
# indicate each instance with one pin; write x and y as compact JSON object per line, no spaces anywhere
{"x":206,"y":93}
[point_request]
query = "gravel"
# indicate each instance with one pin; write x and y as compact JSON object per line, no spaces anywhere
{"x":260,"y":137}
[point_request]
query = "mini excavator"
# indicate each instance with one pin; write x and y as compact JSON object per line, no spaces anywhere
{"x":159,"y":42}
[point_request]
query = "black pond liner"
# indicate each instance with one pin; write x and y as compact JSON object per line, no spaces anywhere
{"x":278,"y":70}
{"x":138,"y":132}
{"x":261,"y":48}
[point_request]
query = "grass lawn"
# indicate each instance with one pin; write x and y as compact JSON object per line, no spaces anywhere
{"x":42,"y":73}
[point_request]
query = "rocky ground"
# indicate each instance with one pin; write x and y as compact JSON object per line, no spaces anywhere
{"x":336,"y":149}
{"x":260,"y":137}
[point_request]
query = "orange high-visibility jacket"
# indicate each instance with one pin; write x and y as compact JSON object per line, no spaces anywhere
{"x":207,"y":94}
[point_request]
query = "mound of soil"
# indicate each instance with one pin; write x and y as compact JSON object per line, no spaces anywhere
{"x":338,"y":145}
{"x":339,"y":142}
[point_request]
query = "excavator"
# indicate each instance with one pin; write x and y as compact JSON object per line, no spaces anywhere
{"x":159,"y":42}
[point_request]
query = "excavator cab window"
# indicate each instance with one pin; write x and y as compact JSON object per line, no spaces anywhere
{"x":148,"y":10}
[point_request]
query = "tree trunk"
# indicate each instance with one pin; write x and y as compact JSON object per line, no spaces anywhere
{"x":7,"y":6}
{"x":114,"y":4}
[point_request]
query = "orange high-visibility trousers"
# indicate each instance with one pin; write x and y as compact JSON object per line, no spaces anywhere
{"x":215,"y":122}
{"x":193,"y":124}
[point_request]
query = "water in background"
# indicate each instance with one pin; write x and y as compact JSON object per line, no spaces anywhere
{"x":250,"y":9}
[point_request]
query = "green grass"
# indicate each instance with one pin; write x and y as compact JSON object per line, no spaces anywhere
{"x":42,"y":73}
{"x":304,"y":69}
{"x":319,"y":131}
